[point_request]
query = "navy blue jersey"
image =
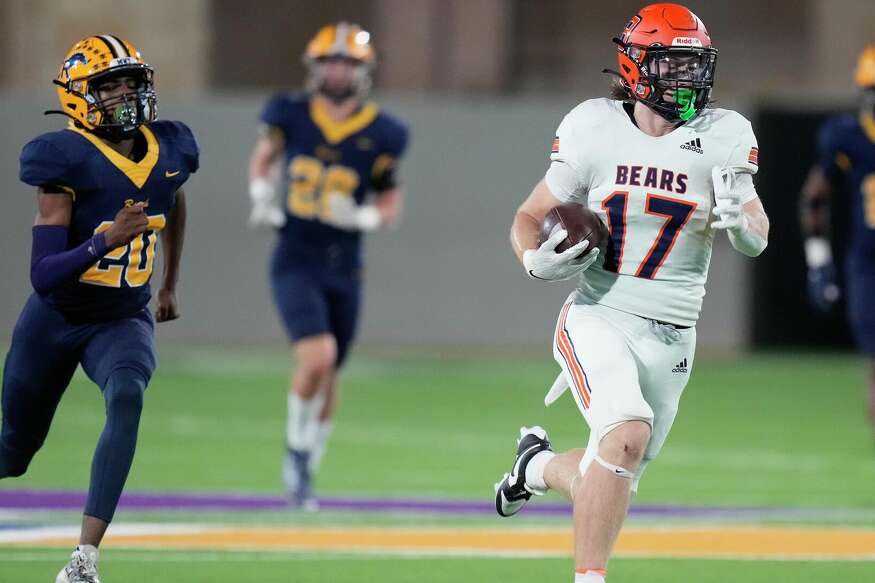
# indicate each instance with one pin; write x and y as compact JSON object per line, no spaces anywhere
{"x":101,"y":182}
{"x":323,"y":156}
{"x":846,"y":146}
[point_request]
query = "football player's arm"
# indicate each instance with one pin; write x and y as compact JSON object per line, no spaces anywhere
{"x":542,"y":261}
{"x":757,"y":218}
{"x":262,"y":191}
{"x":384,"y":211}
{"x":390,"y":204}
{"x":172,"y":238}
{"x":51,"y":263}
{"x":814,"y":219}
{"x":527,"y":222}
{"x":745,"y":221}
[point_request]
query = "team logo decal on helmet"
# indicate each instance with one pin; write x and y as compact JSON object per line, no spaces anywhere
{"x":346,"y":42}
{"x":92,"y":62}
{"x":666,"y":61}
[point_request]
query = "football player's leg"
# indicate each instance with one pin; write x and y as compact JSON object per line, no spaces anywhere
{"x":120,"y":358}
{"x":861,"y":314}
{"x":38,"y":369}
{"x":591,"y":346}
{"x":666,"y":363}
{"x":301,"y":299}
{"x":344,"y":305}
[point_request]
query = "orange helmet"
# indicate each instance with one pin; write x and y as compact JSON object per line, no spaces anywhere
{"x":93,"y":61}
{"x":666,"y":48}
{"x":345,"y":42}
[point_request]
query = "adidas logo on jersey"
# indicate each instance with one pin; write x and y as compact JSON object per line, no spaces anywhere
{"x":681,"y":366}
{"x":693,"y":145}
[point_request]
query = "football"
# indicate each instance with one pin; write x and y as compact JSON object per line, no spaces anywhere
{"x":580,"y":222}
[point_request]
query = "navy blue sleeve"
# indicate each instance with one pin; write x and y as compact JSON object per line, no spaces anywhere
{"x":43,"y":163}
{"x":275,"y":113}
{"x":832,"y":160}
{"x":397,"y":142}
{"x":185,"y":141}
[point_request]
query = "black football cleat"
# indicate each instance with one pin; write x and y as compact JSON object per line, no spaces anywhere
{"x":512,"y":493}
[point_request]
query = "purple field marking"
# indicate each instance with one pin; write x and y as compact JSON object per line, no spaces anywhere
{"x":143,"y":501}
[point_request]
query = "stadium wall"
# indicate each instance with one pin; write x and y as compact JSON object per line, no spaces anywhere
{"x":447,"y":277}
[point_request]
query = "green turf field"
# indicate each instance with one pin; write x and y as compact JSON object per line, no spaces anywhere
{"x":770,"y":431}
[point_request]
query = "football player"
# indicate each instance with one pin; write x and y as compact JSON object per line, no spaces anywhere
{"x":107,"y":185}
{"x":336,"y":149}
{"x":846,"y":163}
{"x":665,"y":173}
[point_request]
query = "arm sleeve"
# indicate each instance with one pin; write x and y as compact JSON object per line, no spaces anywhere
{"x":744,"y":158}
{"x":565,"y":177}
{"x":52,"y":265}
{"x":42,"y":163}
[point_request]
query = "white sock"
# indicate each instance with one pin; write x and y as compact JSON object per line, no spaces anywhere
{"x":89,"y":551}
{"x":589,"y":577}
{"x":299,"y":433}
{"x":320,"y":442}
{"x":535,"y":470}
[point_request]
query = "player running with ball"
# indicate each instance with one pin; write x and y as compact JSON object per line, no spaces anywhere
{"x":664,"y":172}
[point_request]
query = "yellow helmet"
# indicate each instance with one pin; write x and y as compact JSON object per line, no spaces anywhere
{"x":92,"y":61}
{"x":865,"y":74}
{"x":345,"y":41}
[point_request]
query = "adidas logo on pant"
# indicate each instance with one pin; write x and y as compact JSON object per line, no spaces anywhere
{"x":693,"y":145}
{"x":681,"y":366}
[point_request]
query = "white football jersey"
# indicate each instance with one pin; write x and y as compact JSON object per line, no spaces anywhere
{"x":655,"y":194}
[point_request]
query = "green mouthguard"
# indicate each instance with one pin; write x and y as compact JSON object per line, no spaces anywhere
{"x":686,"y":98}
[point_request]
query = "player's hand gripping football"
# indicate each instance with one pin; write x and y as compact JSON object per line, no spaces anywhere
{"x":167,"y":309}
{"x":131,"y":221}
{"x":728,"y":206}
{"x":545,"y":263}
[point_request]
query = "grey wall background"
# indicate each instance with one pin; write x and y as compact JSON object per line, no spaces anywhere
{"x":446,"y":278}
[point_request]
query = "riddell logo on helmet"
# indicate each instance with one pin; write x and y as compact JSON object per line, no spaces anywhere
{"x":685,"y":41}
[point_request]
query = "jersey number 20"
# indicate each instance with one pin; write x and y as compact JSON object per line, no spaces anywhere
{"x":136,"y":268}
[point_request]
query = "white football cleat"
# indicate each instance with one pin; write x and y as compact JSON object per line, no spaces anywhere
{"x":512,"y":493}
{"x":299,"y":481}
{"x":82,"y":567}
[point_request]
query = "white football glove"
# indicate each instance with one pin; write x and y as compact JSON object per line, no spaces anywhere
{"x":732,"y":218}
{"x":727,"y":204}
{"x":265,"y":210}
{"x":545,"y":263}
{"x":345,"y":214}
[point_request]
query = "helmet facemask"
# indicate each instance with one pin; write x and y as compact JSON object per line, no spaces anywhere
{"x":117,"y":118}
{"x":319,"y":81}
{"x":679,"y":78}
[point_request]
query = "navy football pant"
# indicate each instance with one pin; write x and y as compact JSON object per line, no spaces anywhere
{"x":861,"y":309}
{"x":318,"y":301}
{"x":119,"y":356}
